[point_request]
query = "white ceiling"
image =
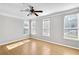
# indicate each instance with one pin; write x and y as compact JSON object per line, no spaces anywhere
{"x":13,"y":9}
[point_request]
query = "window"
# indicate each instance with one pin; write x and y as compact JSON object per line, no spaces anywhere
{"x":26,"y":27}
{"x":33,"y":27}
{"x":71,"y":27}
{"x":46,"y":27}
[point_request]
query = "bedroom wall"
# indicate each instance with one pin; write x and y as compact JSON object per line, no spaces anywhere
{"x":57,"y":29}
{"x":10,"y":29}
{"x":58,"y":32}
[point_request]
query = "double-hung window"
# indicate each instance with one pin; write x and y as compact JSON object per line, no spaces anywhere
{"x":33,"y":27}
{"x":26,"y":27}
{"x":71,"y":27}
{"x":46,"y":27}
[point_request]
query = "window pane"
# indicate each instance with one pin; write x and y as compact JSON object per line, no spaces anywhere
{"x":46,"y":27}
{"x":33,"y":27}
{"x":26,"y":27}
{"x":70,"y":27}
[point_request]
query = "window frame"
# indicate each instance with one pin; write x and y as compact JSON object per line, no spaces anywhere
{"x":75,"y":14}
{"x":26,"y":27}
{"x":33,"y":27}
{"x":47,"y":20}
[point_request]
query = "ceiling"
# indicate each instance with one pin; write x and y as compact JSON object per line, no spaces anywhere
{"x":13,"y":9}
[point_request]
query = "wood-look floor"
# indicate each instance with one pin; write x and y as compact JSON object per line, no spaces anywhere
{"x":36,"y":47}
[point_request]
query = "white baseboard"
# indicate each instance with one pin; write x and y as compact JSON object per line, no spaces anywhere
{"x":57,"y":43}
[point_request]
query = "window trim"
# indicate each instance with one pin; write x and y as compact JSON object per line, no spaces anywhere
{"x":43,"y":28}
{"x":73,"y":28}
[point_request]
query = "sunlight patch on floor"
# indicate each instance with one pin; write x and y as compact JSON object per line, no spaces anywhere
{"x":46,"y":50}
{"x":33,"y":48}
{"x":12,"y":46}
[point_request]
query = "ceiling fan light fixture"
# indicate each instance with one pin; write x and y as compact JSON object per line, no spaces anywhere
{"x":31,"y":11}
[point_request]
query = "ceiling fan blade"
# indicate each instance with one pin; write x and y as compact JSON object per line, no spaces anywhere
{"x":38,"y":11}
{"x":25,"y":10}
{"x":29,"y":14}
{"x":35,"y":14}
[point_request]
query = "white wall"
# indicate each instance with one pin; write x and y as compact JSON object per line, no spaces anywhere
{"x":58,"y":32}
{"x":10,"y":29}
{"x":57,"y":29}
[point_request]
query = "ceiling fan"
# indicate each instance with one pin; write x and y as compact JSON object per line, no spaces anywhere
{"x":31,"y":11}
